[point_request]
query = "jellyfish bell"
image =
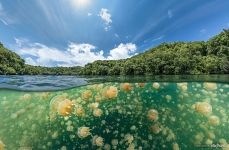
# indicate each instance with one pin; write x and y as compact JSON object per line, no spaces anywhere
{"x":65,"y":107}
{"x":111,"y":92}
{"x":156,"y":85}
{"x":98,"y":141}
{"x":182,"y":86}
{"x":155,"y":128}
{"x":210,"y":86}
{"x":83,"y":132}
{"x":126,"y":87}
{"x":203,"y":108}
{"x":175,"y":146}
{"x":152,"y":115}
{"x":141,"y":84}
{"x":97,"y":112}
{"x":214,"y":120}
{"x":2,"y":145}
{"x":86,"y":94}
{"x":94,"y":105}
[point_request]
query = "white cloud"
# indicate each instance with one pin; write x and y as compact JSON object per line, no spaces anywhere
{"x":89,"y":14}
{"x":74,"y":55}
{"x":122,"y":51}
{"x":170,"y":13}
{"x":203,"y":31}
{"x":106,"y":17}
{"x":157,"y":39}
{"x":4,"y":17}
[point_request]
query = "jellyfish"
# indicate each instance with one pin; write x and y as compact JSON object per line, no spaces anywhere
{"x":175,"y":146}
{"x":168,"y":97}
{"x":2,"y":145}
{"x":94,"y":105}
{"x":210,"y":86}
{"x":86,"y":94}
{"x":107,"y":147}
{"x":141,"y":84}
{"x":80,"y":111}
{"x":183,"y":86}
{"x":65,"y":107}
{"x":156,"y":85}
{"x":203,"y":107}
{"x":214,"y":120}
{"x":155,"y":128}
{"x":152,"y":115}
{"x":114,"y":142}
{"x":83,"y":132}
{"x":126,"y":87}
{"x":97,"y":112}
{"x":98,"y":141}
{"x":111,"y":92}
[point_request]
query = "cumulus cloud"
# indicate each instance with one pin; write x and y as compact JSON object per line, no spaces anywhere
{"x":106,"y":17}
{"x":122,"y":51}
{"x":74,"y":55}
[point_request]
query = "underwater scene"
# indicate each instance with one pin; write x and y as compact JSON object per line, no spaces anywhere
{"x":116,"y":116}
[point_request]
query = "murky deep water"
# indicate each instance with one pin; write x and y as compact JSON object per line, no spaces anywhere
{"x":114,"y":115}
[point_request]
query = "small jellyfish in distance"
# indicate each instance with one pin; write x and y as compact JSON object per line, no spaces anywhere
{"x":210,"y":86}
{"x":152,"y":115}
{"x":141,"y":84}
{"x":65,"y":107}
{"x":203,"y":108}
{"x":155,"y":128}
{"x":175,"y":146}
{"x":98,"y":141}
{"x":80,"y":111}
{"x":83,"y":132}
{"x":97,"y":112}
{"x":111,"y":92}
{"x":156,"y":85}
{"x":126,"y":87}
{"x":214,"y":120}
{"x":2,"y":145}
{"x":86,"y":94}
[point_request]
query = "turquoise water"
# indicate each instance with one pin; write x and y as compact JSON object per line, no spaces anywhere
{"x":117,"y":115}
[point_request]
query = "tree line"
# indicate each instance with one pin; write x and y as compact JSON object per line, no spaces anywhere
{"x":210,"y":57}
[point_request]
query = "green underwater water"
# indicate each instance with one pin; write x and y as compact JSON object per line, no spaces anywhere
{"x":189,"y":115}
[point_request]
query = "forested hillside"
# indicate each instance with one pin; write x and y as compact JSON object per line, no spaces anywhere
{"x":211,"y":57}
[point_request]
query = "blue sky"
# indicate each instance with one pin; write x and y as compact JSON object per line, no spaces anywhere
{"x":75,"y":32}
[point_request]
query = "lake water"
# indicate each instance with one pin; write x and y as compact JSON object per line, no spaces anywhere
{"x":133,"y":113}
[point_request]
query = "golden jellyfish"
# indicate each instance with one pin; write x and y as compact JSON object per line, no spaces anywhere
{"x":168,"y":97}
{"x":111,"y":92}
{"x":94,"y":105}
{"x":65,"y":107}
{"x":141,"y":84}
{"x":155,"y":128}
{"x":83,"y":132}
{"x":175,"y":146}
{"x":86,"y":94}
{"x":98,"y":141}
{"x":153,"y":115}
{"x":203,"y":107}
{"x":214,"y":120}
{"x":80,"y":111}
{"x":156,"y":85}
{"x":97,"y":112}
{"x":183,"y":86}
{"x":210,"y":86}
{"x":2,"y":145}
{"x":126,"y":87}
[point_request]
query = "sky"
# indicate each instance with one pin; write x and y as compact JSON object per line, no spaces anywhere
{"x":77,"y":32}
